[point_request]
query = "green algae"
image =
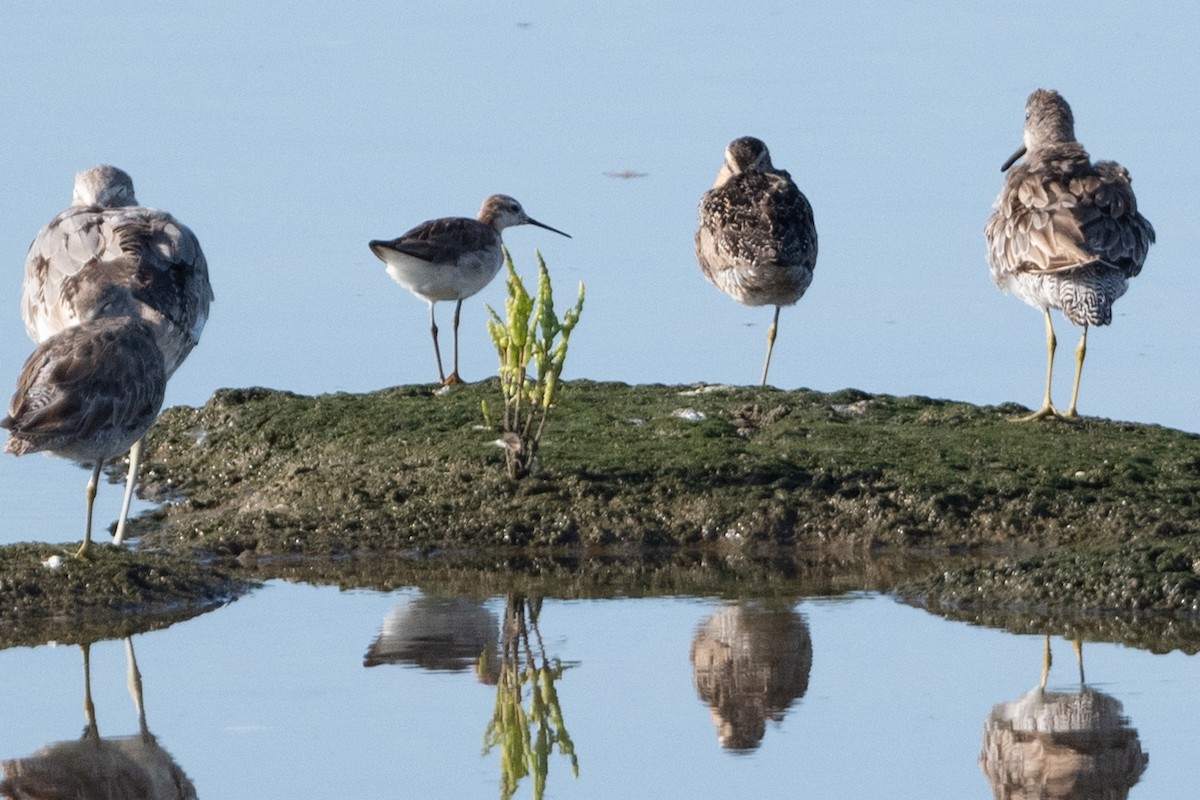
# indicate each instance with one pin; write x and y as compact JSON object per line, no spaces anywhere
{"x":651,"y":466}
{"x":1088,"y":528}
{"x":48,"y":595}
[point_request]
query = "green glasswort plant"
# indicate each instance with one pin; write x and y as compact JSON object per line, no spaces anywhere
{"x":527,"y":736}
{"x":531,"y":334}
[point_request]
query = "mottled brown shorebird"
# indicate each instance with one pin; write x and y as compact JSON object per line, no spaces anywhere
{"x":757,"y":241}
{"x":90,"y":391}
{"x":1065,"y":233}
{"x":96,"y":767}
{"x":158,"y":258}
{"x":451,"y":259}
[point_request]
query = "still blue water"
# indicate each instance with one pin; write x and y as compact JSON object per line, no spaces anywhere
{"x":860,"y":697}
{"x":288,"y":138}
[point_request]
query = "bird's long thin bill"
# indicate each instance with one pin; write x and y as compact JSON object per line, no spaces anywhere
{"x":1012,"y":159}
{"x":547,"y":227}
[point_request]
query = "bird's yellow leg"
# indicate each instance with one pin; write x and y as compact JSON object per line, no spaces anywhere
{"x":770,"y":344}
{"x":1047,"y":660}
{"x":1080,"y":353}
{"x":1079,"y":657}
{"x":1047,"y":410}
{"x":90,"y":493}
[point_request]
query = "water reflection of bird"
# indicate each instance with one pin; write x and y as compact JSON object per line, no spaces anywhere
{"x":1065,"y":233}
{"x":1061,"y":746}
{"x":749,"y":664}
{"x":90,"y":391}
{"x":451,"y":259}
{"x":156,"y":257}
{"x":757,"y":241}
{"x":439,"y":633}
{"x":96,"y":768}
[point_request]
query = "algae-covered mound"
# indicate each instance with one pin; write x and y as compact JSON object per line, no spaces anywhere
{"x":47,"y":594}
{"x":406,"y":469}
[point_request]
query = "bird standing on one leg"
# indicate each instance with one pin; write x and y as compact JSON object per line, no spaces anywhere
{"x":90,"y":391}
{"x":106,"y":237}
{"x":757,"y":241}
{"x":451,"y":259}
{"x":1065,"y":233}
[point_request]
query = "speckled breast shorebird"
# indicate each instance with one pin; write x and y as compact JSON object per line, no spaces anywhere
{"x":451,"y":259}
{"x":90,"y":391}
{"x":757,"y":241}
{"x":1065,"y":232}
{"x":105,"y":236}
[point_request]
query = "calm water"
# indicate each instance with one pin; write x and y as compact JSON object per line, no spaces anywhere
{"x":303,"y":691}
{"x":288,"y":140}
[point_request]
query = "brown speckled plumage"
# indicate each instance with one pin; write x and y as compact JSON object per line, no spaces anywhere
{"x":757,"y":241}
{"x":105,"y":238}
{"x":162,"y":264}
{"x":1065,"y":232}
{"x":89,"y":392}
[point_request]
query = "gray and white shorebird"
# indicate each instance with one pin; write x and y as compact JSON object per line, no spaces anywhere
{"x":1065,"y":232}
{"x":451,"y":259}
{"x":105,"y":236}
{"x":757,"y":241}
{"x":92,"y":390}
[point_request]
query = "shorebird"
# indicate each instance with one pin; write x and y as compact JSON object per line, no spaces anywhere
{"x":757,"y":242}
{"x":160,"y":263}
{"x":90,"y":391}
{"x":1065,"y":232}
{"x":99,"y":767}
{"x":451,"y":259}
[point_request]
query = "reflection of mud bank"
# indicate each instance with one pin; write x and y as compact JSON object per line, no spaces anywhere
{"x":1145,"y":594}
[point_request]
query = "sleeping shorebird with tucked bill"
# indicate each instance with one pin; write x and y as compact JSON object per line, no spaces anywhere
{"x":757,"y":241}
{"x":105,"y":236}
{"x":451,"y":259}
{"x":92,"y":390}
{"x":1065,"y":232}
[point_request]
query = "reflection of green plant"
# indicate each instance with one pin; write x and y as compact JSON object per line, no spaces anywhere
{"x":527,"y":336}
{"x":527,"y":737}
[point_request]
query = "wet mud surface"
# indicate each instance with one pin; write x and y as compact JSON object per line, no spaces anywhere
{"x":684,"y":488}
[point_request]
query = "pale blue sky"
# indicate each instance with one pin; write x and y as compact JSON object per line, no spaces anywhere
{"x":288,"y":140}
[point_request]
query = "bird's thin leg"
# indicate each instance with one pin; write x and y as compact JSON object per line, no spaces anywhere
{"x":1080,"y":353}
{"x":1047,"y":409}
{"x":91,"y":501}
{"x":89,"y":708}
{"x":770,"y":344}
{"x":1079,"y":657}
{"x":437,"y":351}
{"x":135,"y":460}
{"x":453,"y":379}
{"x":134,"y":679}
{"x":1047,"y":660}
